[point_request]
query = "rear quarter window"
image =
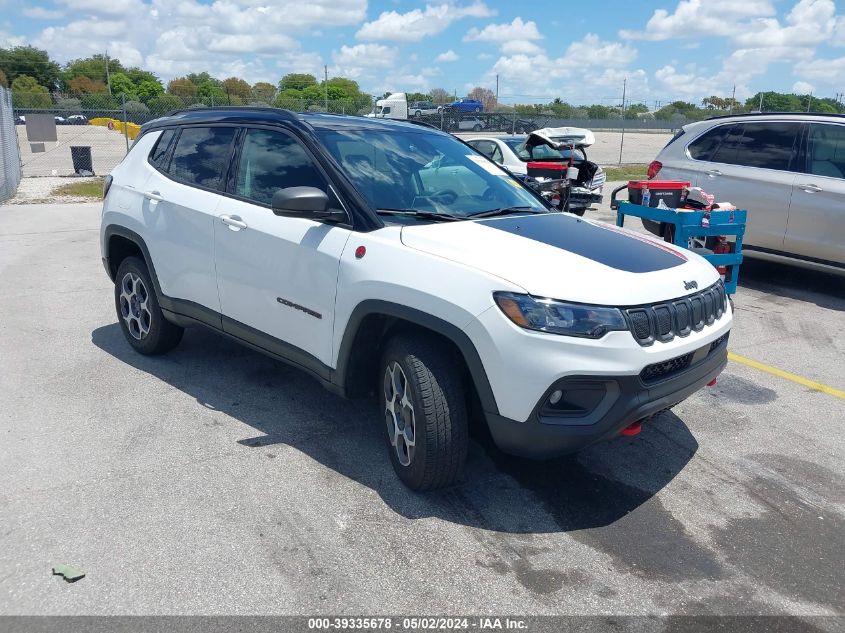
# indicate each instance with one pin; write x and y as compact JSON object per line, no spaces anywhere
{"x":202,"y":156}
{"x":706,"y":145}
{"x":159,"y":155}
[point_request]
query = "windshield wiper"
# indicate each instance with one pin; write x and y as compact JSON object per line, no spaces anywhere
{"x":502,"y":211}
{"x":426,"y":215}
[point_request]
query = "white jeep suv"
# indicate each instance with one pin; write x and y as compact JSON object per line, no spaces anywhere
{"x":383,"y":257}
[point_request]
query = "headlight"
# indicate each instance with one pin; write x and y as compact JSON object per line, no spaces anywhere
{"x":558,"y":317}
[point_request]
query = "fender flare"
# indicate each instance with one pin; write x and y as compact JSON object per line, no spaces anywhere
{"x":417,"y":317}
{"x":113,"y":230}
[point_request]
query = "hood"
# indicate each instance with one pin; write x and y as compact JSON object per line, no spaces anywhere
{"x":562,"y":256}
{"x":566,"y":136}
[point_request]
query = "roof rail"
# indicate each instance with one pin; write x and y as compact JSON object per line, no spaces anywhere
{"x":291,"y":114}
{"x":743,"y":114}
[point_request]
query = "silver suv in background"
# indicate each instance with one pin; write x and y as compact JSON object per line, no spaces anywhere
{"x":787,"y":170}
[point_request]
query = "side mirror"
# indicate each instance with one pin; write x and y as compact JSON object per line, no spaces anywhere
{"x":305,"y":202}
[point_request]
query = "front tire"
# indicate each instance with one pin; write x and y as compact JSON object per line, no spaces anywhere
{"x":139,"y":313}
{"x":425,"y":412}
{"x":476,"y":128}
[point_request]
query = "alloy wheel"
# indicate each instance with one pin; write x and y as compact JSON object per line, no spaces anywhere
{"x":399,"y":413}
{"x":135,"y":305}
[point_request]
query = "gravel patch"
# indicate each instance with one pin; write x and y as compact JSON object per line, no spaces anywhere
{"x":40,"y":190}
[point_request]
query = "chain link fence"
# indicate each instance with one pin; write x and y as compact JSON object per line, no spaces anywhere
{"x":10,"y":159}
{"x":107,"y":125}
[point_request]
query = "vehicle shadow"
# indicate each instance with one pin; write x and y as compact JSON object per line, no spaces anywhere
{"x":824,"y":289}
{"x":593,"y":489}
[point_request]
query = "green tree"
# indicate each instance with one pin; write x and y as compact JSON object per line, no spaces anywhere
{"x":200,"y":78}
{"x":263,"y":91}
{"x":235,"y":86}
{"x":635,"y":109}
{"x":31,"y":62}
{"x":147,"y":89}
{"x":182,"y":87}
{"x":165,"y":103}
{"x":3,"y":81}
{"x":138,"y":76}
{"x":776,"y":102}
{"x":210,"y":93}
{"x":598,"y":112}
{"x":28,"y":93}
{"x":122,"y":85}
{"x":93,"y":68}
{"x":297,"y":81}
{"x":102,"y":101}
{"x":418,"y":96}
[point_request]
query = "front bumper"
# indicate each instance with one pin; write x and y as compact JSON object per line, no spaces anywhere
{"x":626,"y":399}
{"x":583,"y":199}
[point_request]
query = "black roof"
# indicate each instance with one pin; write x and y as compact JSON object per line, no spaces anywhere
{"x":252,"y":114}
{"x":768,"y":114}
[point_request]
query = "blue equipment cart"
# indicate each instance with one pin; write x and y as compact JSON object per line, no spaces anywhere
{"x":688,"y":225}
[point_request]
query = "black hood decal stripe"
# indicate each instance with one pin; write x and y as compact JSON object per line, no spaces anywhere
{"x":603,"y":244}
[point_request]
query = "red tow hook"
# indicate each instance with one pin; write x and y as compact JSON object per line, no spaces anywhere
{"x":712,"y":383}
{"x":632,"y":429}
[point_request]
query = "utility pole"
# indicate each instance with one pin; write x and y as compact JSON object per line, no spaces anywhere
{"x":108,"y":79}
{"x":326,"y":84}
{"x":733,"y":100}
{"x":622,"y":140}
{"x":760,"y":108}
{"x":809,"y":101}
{"x":497,"y":87}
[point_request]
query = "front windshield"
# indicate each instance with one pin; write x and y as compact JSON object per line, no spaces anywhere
{"x":417,"y":170}
{"x":540,"y":152}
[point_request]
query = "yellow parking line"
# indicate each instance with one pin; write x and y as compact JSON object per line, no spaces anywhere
{"x":774,"y":371}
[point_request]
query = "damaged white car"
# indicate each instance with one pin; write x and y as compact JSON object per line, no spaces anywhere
{"x":546,"y":155}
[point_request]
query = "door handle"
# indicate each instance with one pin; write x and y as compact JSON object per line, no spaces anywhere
{"x":713,"y":173}
{"x":810,"y":188}
{"x":233,"y":222}
{"x":153,"y":195}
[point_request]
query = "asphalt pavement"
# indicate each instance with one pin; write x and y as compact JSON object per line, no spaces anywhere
{"x":214,"y":480}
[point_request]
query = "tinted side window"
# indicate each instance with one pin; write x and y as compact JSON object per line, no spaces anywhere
{"x":159,"y":153}
{"x":826,"y":150}
{"x":706,"y":145}
{"x":202,"y":155}
{"x":271,"y":161}
{"x":770,"y":145}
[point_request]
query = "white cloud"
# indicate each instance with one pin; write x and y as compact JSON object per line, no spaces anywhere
{"x":7,"y":40}
{"x":827,"y":71}
{"x":701,"y":19}
{"x":808,"y":23}
{"x":40,"y":13}
{"x":448,"y":56}
{"x":515,"y":47}
{"x":416,"y":25}
{"x":501,"y":33}
{"x":802,"y":88}
{"x":592,"y":51}
{"x":98,"y":7}
{"x":352,"y":60}
{"x":604,"y":61}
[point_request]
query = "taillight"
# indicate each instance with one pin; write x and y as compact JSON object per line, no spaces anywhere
{"x":654,"y":168}
{"x":106,"y":185}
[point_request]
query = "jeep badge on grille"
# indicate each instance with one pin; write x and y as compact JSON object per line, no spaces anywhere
{"x":690,"y":285}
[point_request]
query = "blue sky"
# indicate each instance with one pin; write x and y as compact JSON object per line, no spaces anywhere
{"x":541,"y":49}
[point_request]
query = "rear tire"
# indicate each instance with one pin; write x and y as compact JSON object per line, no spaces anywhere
{"x":425,"y":412}
{"x":139,"y":313}
{"x":476,"y":128}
